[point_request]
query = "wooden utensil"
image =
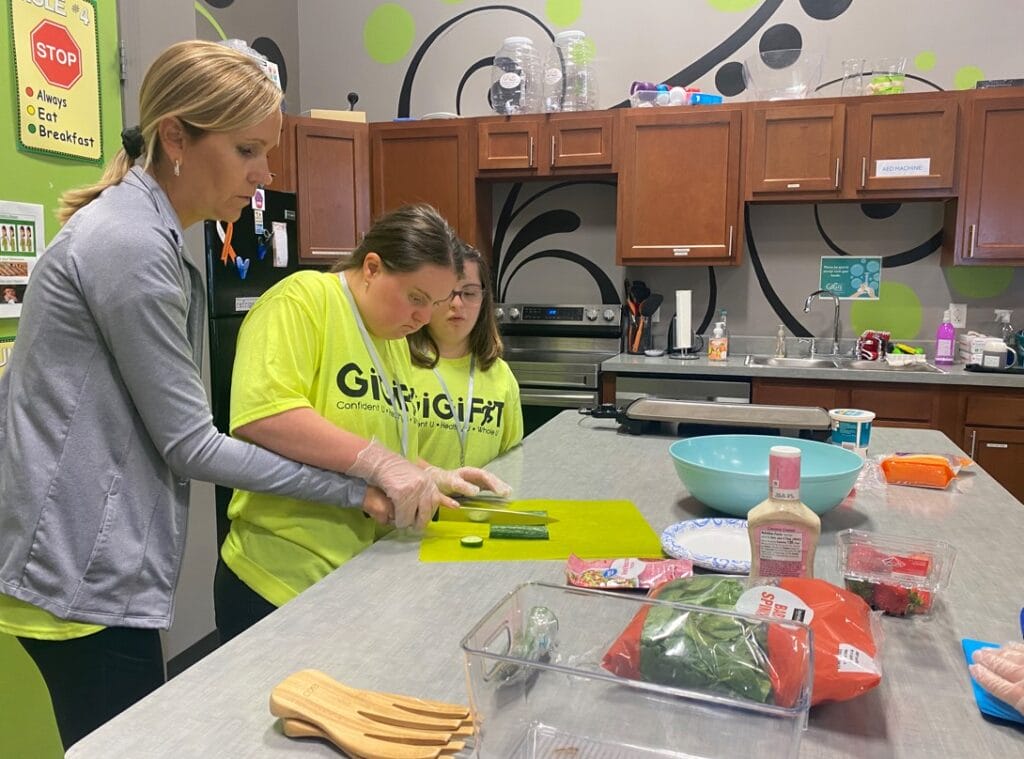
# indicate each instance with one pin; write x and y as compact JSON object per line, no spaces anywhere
{"x":367,"y":723}
{"x":297,"y":728}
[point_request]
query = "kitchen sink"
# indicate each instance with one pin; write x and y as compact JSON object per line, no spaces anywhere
{"x":840,"y":362}
{"x":790,"y":363}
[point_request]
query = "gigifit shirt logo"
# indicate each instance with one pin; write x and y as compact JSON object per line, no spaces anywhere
{"x":366,"y":390}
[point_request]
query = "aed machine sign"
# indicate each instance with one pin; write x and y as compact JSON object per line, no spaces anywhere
{"x":56,"y":66}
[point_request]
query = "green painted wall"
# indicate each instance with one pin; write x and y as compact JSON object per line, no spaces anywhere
{"x":27,"y":728}
{"x":31,"y":178}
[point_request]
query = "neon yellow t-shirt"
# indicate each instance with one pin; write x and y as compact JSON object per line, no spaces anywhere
{"x":495,"y":414}
{"x":300,"y":347}
{"x":26,"y":620}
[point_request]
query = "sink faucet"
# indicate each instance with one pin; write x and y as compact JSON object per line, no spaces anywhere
{"x":835,"y":321}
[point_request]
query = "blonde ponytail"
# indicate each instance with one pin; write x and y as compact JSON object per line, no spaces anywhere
{"x":114,"y":172}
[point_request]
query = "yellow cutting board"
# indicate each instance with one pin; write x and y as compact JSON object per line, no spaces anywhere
{"x":589,"y":529}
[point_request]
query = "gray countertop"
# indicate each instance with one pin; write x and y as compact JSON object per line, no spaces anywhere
{"x":626,"y":363}
{"x":389,"y":622}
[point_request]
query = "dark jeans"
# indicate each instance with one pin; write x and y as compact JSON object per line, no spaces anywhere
{"x":95,"y":678}
{"x":237,"y":607}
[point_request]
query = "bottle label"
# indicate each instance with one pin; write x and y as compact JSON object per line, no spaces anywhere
{"x":784,"y":477}
{"x":553,"y":76}
{"x":510,"y":80}
{"x":782,"y":551}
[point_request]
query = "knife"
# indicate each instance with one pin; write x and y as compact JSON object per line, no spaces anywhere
{"x":483,"y":513}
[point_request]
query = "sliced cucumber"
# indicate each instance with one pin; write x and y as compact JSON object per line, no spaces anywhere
{"x":472,"y":541}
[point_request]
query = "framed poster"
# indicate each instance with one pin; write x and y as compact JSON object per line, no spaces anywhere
{"x":851,"y":277}
{"x":21,"y":243}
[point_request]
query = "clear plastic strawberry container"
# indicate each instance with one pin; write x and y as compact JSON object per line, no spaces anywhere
{"x":901,"y":576}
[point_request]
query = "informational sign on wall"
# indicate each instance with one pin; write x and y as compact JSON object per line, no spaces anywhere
{"x":57,"y":78}
{"x":851,"y":278}
{"x":21,"y":243}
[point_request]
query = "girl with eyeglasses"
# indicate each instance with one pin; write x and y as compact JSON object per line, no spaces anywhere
{"x":322,"y":375}
{"x":469,"y":409}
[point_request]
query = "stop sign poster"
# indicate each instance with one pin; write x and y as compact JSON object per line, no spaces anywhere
{"x":57,"y":77}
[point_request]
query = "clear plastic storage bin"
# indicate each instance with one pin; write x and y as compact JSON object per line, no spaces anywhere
{"x":538,"y":688}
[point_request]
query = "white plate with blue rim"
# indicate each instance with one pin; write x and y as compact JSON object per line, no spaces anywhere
{"x":715,"y":543}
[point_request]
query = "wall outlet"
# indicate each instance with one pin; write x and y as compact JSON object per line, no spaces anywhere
{"x":958,"y":315}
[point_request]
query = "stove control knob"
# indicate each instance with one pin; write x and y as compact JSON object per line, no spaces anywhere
{"x":499,"y":313}
{"x":592,"y":314}
{"x":609,"y":314}
{"x":513,"y":313}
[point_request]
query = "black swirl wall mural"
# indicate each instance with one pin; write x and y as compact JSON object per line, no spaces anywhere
{"x":544,"y":224}
{"x":873,"y":211}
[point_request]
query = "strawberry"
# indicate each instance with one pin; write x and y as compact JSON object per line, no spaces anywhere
{"x":920,"y":601}
{"x":892,"y":599}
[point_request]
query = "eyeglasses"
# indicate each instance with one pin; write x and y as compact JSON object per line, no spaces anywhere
{"x":471,"y":295}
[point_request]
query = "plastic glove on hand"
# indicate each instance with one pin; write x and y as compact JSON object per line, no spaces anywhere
{"x":410,"y":488}
{"x":468,"y":481}
{"x":1000,"y":671}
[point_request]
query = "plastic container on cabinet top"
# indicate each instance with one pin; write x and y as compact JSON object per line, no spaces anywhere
{"x":516,"y":78}
{"x":569,"y":81}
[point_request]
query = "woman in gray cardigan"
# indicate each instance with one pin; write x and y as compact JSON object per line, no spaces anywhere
{"x":104,"y":419}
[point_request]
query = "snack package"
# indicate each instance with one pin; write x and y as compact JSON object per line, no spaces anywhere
{"x":738,"y":658}
{"x":624,"y":573}
{"x":925,"y":470}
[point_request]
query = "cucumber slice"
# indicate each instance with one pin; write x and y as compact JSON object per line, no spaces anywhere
{"x":520,"y":531}
{"x":472,"y":541}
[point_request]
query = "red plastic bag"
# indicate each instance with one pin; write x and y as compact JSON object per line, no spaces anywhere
{"x":845,"y":649}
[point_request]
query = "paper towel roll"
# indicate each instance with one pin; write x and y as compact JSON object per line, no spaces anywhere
{"x":684,"y":329}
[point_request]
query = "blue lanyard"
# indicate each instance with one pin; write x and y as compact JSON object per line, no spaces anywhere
{"x":461,"y":425}
{"x":399,"y":408}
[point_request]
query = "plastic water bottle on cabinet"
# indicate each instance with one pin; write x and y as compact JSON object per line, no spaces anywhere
{"x":516,"y":77}
{"x":569,"y":82}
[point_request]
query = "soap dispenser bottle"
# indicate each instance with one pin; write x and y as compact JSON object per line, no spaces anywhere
{"x":718,"y":345}
{"x":945,"y":340}
{"x":780,"y":342}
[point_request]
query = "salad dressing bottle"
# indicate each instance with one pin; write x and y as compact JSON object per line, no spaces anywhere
{"x":783,"y":530}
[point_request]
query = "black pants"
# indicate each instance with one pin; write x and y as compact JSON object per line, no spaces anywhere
{"x":95,"y":678}
{"x":237,"y":607}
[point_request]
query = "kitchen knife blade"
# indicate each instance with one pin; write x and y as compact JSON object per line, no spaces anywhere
{"x":484,"y":513}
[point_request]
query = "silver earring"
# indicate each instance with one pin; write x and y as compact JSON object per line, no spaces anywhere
{"x":177,"y":168}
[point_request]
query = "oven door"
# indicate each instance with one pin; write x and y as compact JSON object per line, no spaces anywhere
{"x":541,"y":404}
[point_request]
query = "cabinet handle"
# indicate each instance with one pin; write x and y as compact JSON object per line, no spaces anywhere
{"x":837,"y":173}
{"x":531,"y":153}
{"x":970,"y":240}
{"x":863,"y":171}
{"x":730,"y":241}
{"x":974,"y":439}
{"x":996,"y":445}
{"x":552,"y":150}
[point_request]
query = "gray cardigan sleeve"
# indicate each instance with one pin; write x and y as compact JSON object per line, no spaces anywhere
{"x":138,"y":292}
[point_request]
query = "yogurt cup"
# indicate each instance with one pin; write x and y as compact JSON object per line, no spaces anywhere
{"x":851,"y":428}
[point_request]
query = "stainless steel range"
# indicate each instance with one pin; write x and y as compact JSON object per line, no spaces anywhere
{"x":555,"y":353}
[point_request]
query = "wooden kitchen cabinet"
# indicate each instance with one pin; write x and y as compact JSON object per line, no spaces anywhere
{"x":832,"y":150}
{"x":679,"y":196}
{"x":429,"y":162}
{"x":985,"y":226}
{"x":327,"y":165}
{"x":546,"y":145}
{"x":999,"y":452}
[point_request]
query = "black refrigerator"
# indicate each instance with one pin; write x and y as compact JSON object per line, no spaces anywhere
{"x":265,"y":257}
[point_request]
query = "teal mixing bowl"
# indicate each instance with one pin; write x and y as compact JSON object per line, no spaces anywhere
{"x":729,"y":473}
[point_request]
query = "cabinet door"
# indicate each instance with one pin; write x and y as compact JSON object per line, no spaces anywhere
{"x":580,"y":140}
{"x":903,"y":145}
{"x":425,"y":163}
{"x":281,"y":160}
{"x":679,"y":186}
{"x":775,"y":392}
{"x":795,"y":149}
{"x":993,"y":226}
{"x":333,"y":188}
{"x":508,"y":143}
{"x":999,"y":452}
